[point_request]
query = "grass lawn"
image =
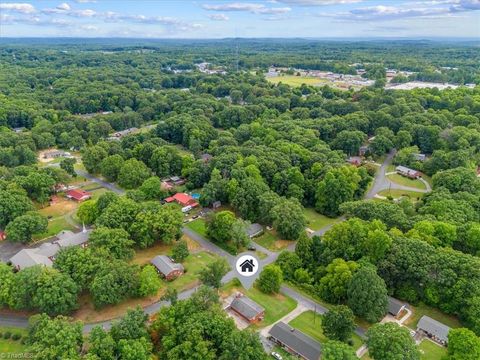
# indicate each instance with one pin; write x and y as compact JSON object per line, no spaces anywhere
{"x":402,"y":180}
{"x":431,"y":351}
{"x":276,"y":305}
{"x":422,"y":309}
{"x":96,"y":193}
{"x":285,"y":355}
{"x":193,"y":264}
{"x":59,"y":208}
{"x":11,"y":346}
{"x":293,"y":80}
{"x":310,"y":323}
{"x":316,"y":221}
{"x":271,"y":241}
{"x":199,"y":226}
{"x":91,"y":186}
{"x":399,"y":193}
{"x":54,"y":227}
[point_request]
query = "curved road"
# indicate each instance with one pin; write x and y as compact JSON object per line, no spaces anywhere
{"x":380,"y":183}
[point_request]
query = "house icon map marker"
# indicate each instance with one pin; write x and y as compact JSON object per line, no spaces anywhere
{"x":247,"y":268}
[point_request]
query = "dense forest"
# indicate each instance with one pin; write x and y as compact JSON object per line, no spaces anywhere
{"x":274,"y":149}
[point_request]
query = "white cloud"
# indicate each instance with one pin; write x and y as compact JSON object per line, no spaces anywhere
{"x":83,"y":13}
{"x":218,"y":17}
{"x":249,"y":7}
{"x":317,"y":2}
{"x":63,"y":6}
{"x":89,"y":27}
{"x":85,"y":1}
{"x":23,"y":8}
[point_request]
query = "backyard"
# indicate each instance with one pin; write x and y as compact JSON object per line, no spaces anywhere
{"x":422,"y":309}
{"x":316,"y":221}
{"x":199,"y":226}
{"x":431,"y":351}
{"x":310,"y":322}
{"x":402,"y":180}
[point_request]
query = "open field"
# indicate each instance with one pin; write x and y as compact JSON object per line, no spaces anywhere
{"x":431,"y":351}
{"x":422,"y":309}
{"x":59,"y":208}
{"x":272,"y":241}
{"x":311,"y":324}
{"x":293,"y":80}
{"x":10,"y":346}
{"x":316,"y":221}
{"x":402,"y":180}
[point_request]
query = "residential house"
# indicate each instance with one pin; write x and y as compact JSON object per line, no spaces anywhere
{"x":355,"y":160}
{"x":53,"y":154}
{"x":166,"y":186}
{"x":177,"y":180}
{"x":363,"y":150}
{"x":395,"y":307}
{"x":182,"y":199}
{"x":254,"y":230}
{"x":434,"y":329}
{"x":78,"y":195}
{"x":122,"y":133}
{"x":166,"y":267}
{"x":407,"y":172}
{"x":46,"y":252}
{"x":295,"y":342}
{"x":247,"y":308}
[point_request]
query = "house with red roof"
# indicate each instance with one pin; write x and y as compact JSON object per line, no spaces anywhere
{"x":182,"y":199}
{"x":78,"y":195}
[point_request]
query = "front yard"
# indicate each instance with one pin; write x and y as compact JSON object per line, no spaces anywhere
{"x":402,"y":180}
{"x":272,"y":241}
{"x":316,"y":221}
{"x":9,"y":348}
{"x":310,"y":323}
{"x":199,"y":226}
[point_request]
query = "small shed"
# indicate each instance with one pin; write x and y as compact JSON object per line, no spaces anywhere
{"x":166,"y":267}
{"x":247,"y":308}
{"x":395,"y":307}
{"x":254,"y":230}
{"x":433,"y":329}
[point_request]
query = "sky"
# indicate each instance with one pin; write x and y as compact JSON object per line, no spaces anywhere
{"x":249,"y":19}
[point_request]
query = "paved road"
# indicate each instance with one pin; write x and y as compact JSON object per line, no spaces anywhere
{"x":103,"y":183}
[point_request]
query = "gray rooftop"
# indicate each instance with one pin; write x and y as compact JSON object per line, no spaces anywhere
{"x":296,"y":340}
{"x":165,"y":265}
{"x":246,"y":307}
{"x":254,"y":229}
{"x":28,"y":257}
{"x":433,"y":327}
{"x":68,"y":238}
{"x":395,"y":306}
{"x":47,"y":249}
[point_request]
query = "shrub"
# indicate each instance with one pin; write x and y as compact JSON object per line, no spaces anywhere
{"x":16,"y":337}
{"x":7,"y":335}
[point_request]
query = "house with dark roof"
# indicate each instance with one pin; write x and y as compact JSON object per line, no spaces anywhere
{"x":419,"y":157}
{"x":166,"y":267}
{"x":395,"y":307}
{"x":295,"y":342}
{"x":254,"y":230}
{"x":78,"y":195}
{"x":247,"y":308}
{"x":434,"y":329}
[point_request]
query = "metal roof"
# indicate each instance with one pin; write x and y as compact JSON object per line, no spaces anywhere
{"x":395,"y":306}
{"x":296,"y":340}
{"x":69,"y":238}
{"x":246,"y":307}
{"x":433,"y":327}
{"x":28,"y":257}
{"x":165,"y":265}
{"x":254,"y":229}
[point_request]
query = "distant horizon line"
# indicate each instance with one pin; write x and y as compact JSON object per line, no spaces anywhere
{"x":430,"y":38}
